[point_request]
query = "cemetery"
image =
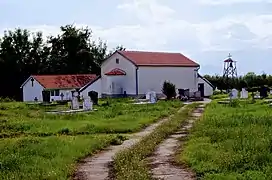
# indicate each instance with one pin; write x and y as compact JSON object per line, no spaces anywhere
{"x":232,"y":141}
{"x":44,"y":142}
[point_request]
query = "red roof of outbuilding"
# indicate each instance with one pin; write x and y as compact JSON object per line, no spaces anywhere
{"x":142,"y":58}
{"x":64,"y":81}
{"x":116,"y":72}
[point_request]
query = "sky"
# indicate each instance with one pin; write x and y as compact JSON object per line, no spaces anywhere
{"x":204,"y":30}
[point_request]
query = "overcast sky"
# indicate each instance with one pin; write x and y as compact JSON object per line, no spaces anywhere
{"x":204,"y":30}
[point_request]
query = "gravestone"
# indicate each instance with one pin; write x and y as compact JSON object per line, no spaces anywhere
{"x":257,"y":95}
{"x":244,"y":94}
{"x":87,"y":104}
{"x":153,"y":98}
{"x":94,"y":97}
{"x":74,"y":103}
{"x":191,"y":94}
{"x":234,"y":94}
{"x":187,"y":92}
{"x":197,"y":94}
{"x":263,"y":92}
{"x":147,"y":95}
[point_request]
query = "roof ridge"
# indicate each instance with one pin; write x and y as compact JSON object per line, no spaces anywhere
{"x":61,"y":74}
{"x":162,"y":52}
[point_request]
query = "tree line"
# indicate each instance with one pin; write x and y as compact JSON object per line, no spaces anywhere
{"x":251,"y":81}
{"x":23,"y":53}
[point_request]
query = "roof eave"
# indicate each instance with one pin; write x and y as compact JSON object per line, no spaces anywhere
{"x":169,"y":65}
{"x":90,"y":83}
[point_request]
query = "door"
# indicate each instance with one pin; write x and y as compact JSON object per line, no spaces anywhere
{"x":201,"y":89}
{"x":46,"y":96}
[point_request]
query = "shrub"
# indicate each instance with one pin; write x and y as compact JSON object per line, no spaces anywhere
{"x":169,"y":90}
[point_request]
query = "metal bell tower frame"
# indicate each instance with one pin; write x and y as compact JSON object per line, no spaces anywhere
{"x":230,"y":68}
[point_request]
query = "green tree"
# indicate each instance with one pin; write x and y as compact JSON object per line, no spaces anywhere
{"x":169,"y":90}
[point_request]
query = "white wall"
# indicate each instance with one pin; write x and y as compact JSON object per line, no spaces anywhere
{"x":96,"y":86}
{"x":29,"y":92}
{"x":152,"y":78}
{"x":127,"y":82}
{"x":66,"y":92}
{"x":208,"y":90}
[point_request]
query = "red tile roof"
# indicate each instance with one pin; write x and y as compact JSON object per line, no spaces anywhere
{"x":64,"y":81}
{"x":116,"y":72}
{"x":142,"y":58}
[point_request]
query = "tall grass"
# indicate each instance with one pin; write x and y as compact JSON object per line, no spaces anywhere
{"x":232,"y":142}
{"x":36,"y":145}
{"x":46,"y":158}
{"x":130,"y":164}
{"x":119,"y":117}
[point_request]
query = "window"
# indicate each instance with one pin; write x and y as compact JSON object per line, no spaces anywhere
{"x":52,"y":93}
{"x":57,"y":93}
{"x":117,"y":61}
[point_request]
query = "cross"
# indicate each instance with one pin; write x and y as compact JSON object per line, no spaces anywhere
{"x":32,"y":80}
{"x":229,"y":55}
{"x":61,"y":95}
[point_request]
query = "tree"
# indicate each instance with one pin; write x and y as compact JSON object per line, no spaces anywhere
{"x":23,"y":53}
{"x":169,"y":90}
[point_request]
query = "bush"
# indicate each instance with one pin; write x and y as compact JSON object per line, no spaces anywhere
{"x":169,"y":90}
{"x":6,"y":99}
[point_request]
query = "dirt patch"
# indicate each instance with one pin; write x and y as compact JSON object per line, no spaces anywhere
{"x":99,"y":166}
{"x":162,"y":161}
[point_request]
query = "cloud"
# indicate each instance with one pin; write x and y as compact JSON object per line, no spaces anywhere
{"x":156,"y":26}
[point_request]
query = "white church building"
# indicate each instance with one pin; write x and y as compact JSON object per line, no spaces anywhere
{"x":133,"y":73}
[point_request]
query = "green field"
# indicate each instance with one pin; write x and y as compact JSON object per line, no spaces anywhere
{"x":36,"y":145}
{"x":231,"y":142}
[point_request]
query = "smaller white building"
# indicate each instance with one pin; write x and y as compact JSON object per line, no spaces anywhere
{"x":58,"y":87}
{"x":205,"y":87}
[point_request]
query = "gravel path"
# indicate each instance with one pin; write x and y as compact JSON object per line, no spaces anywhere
{"x":162,"y":162}
{"x":97,"y":167}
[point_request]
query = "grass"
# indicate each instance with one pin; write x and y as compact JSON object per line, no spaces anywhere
{"x":130,"y":164}
{"x":36,"y":145}
{"x":231,"y":142}
{"x":48,"y":157}
{"x":121,"y":117}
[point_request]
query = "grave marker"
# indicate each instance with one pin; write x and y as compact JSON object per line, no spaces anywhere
{"x":87,"y":104}
{"x":244,"y":94}
{"x":74,"y":103}
{"x":234,"y":94}
{"x":153,"y":98}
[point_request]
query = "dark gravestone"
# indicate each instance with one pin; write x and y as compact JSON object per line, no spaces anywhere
{"x":264,"y":92}
{"x":94,"y":97}
{"x":181,"y":92}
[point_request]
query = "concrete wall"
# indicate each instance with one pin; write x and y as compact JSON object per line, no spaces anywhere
{"x":96,"y":86}
{"x":152,"y":78}
{"x":111,"y":85}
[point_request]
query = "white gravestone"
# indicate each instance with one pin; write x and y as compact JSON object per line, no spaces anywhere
{"x":87,"y":104}
{"x":75,"y":104}
{"x":147,"y":95}
{"x":234,"y":94}
{"x":244,"y":93}
{"x":152,"y":97}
